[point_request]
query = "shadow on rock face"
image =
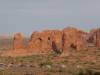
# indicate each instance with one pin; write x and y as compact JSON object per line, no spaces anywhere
{"x":55,"y":48}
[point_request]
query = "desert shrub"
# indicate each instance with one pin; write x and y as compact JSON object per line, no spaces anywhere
{"x":1,"y":72}
{"x":81,"y":72}
{"x":44,"y":63}
{"x":65,"y":61}
{"x":87,"y":72}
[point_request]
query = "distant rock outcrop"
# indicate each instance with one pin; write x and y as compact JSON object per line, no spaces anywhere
{"x":94,"y":37}
{"x":59,"y":41}
{"x":18,"y":41}
{"x":98,"y":38}
{"x":40,"y":42}
{"x":73,"y":38}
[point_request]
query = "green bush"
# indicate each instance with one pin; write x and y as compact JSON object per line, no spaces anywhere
{"x":1,"y":72}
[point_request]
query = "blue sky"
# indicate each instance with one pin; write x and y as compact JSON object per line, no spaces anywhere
{"x":27,"y":16}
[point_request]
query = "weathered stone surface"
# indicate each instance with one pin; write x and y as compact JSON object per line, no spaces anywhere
{"x":81,"y":40}
{"x":94,"y":37}
{"x":41,"y":41}
{"x":18,"y":41}
{"x":34,"y":42}
{"x":46,"y":44}
{"x":57,"y":41}
{"x":46,"y":41}
{"x":91,"y":37}
{"x":98,"y":38}
{"x":73,"y":38}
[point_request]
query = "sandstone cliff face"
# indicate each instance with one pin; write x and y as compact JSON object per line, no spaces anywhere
{"x":94,"y":37}
{"x":18,"y":41}
{"x":73,"y":38}
{"x":46,"y":41}
{"x":41,"y":41}
{"x":59,"y":41}
{"x":81,"y":40}
{"x":98,"y":38}
{"x":46,"y":36}
{"x":91,"y":37}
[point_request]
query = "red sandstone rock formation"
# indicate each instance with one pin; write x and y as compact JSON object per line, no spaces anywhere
{"x":46,"y":41}
{"x":57,"y":41}
{"x":34,"y":43}
{"x":91,"y":37}
{"x":73,"y":38}
{"x":81,"y":40}
{"x":98,"y":38}
{"x":60,"y":41}
{"x":41,"y":42}
{"x":18,"y":41}
{"x":94,"y":37}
